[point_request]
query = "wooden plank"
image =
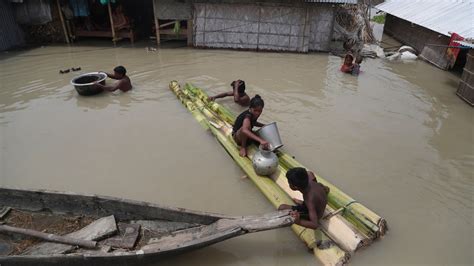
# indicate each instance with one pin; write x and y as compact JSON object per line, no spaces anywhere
{"x":62,"y":22}
{"x":112,"y":26}
{"x":98,"y":33}
{"x":4,"y":211}
{"x":160,"y":226}
{"x":126,"y":238}
{"x":181,"y":33}
{"x":168,"y":23}
{"x":157,"y":24}
{"x":189,"y":31}
{"x":222,"y":229}
{"x":97,"y":230}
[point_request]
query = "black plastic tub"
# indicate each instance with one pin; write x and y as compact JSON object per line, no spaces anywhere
{"x":85,"y":83}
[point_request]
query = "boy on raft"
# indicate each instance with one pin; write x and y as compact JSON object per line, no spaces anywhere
{"x":238,"y":91}
{"x":242,"y":130}
{"x":310,"y":211}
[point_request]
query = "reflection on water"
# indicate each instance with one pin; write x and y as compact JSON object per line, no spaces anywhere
{"x":396,"y":138}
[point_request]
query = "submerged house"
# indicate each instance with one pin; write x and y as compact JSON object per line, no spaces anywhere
{"x":267,"y":25}
{"x":435,"y":29}
{"x":431,"y":27}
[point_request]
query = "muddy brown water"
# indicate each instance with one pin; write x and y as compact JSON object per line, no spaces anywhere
{"x":396,"y":138}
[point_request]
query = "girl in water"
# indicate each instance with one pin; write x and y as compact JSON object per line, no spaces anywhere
{"x":242,"y":130}
{"x":347,"y":66}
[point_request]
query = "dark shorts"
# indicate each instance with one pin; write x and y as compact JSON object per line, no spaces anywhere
{"x":249,"y":141}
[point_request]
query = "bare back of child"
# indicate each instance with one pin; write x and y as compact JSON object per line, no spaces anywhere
{"x":308,"y":212}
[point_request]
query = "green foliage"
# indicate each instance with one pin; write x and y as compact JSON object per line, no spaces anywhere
{"x":379,"y":19}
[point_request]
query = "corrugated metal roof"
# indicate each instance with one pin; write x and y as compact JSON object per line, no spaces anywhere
{"x":442,"y":16}
{"x":332,"y":1}
{"x":467,"y":44}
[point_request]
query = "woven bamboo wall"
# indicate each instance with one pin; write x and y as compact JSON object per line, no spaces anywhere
{"x":11,"y":34}
{"x":466,"y":84}
{"x":274,"y":27}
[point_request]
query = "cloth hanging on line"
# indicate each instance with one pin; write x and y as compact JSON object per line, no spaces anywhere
{"x":33,"y":12}
{"x":452,"y":53}
{"x":105,"y":2}
{"x":80,"y":8}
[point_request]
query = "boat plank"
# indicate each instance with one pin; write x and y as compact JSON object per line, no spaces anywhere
{"x":97,"y":230}
{"x":160,"y":226}
{"x":126,"y":238}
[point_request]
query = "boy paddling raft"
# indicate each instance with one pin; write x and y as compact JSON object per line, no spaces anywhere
{"x":310,"y":211}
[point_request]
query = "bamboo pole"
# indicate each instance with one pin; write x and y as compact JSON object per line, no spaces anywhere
{"x":368,"y":222}
{"x":49,"y":237}
{"x":66,"y":35}
{"x":189,"y":31}
{"x":331,"y":255}
{"x":112,"y":26}
{"x":157,"y":26}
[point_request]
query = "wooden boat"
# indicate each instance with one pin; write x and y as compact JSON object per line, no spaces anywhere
{"x":120,"y":231}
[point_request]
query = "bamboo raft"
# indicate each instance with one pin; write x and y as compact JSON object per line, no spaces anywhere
{"x":347,"y":225}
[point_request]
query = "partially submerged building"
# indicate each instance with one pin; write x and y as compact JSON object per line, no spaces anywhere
{"x":428,"y":26}
{"x":11,"y":35}
{"x":267,"y":25}
{"x":436,"y":30}
{"x":466,"y":84}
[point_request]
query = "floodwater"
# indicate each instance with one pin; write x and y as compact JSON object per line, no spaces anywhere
{"x":396,"y":138}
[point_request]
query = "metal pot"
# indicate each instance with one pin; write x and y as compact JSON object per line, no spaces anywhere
{"x":264,"y":162}
{"x":270,"y":133}
{"x":85,"y":83}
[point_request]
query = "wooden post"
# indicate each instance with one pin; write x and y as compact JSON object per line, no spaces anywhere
{"x":190,"y":32}
{"x":304,"y":28}
{"x":157,"y":25}
{"x":66,"y":35}
{"x":112,"y":26}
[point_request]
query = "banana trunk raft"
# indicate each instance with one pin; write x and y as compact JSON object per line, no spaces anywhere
{"x":347,"y":225}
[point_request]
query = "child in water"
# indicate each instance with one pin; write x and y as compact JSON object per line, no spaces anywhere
{"x":238,"y":91}
{"x":347,"y":66}
{"x":242,"y":130}
{"x":356,"y":66}
{"x":123,"y":83}
{"x":308,"y":212}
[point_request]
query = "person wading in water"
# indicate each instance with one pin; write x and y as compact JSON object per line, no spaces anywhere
{"x":238,"y":91}
{"x":124,"y":84}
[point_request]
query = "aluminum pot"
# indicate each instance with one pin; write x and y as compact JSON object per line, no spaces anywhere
{"x":264,"y":162}
{"x":85,"y":83}
{"x":270,"y":133}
